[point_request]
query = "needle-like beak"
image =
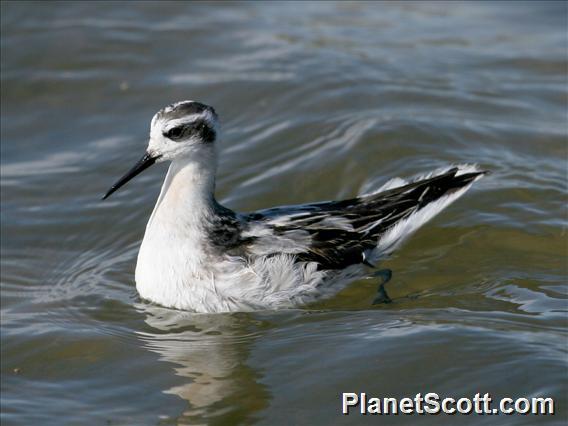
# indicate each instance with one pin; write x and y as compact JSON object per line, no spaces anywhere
{"x":138,"y":168}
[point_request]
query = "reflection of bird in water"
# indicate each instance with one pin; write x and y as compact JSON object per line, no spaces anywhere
{"x":199,"y":255}
{"x":211,"y":354}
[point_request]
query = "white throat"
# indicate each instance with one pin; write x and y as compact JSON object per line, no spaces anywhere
{"x":186,"y":195}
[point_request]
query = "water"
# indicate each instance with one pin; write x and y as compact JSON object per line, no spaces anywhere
{"x":318,"y":101}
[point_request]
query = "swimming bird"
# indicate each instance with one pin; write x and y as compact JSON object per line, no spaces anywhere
{"x":201,"y":256}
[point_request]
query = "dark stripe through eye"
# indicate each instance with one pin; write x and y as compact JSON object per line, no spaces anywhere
{"x":175,"y":133}
{"x":198,"y":128}
{"x":207,"y":133}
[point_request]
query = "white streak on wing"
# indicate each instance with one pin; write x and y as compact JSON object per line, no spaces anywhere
{"x":326,"y":221}
{"x":285,"y":219}
{"x":370,"y":227}
{"x":336,"y":222}
{"x":268,"y":242}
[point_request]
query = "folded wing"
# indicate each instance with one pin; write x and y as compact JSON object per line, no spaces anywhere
{"x":336,"y":234}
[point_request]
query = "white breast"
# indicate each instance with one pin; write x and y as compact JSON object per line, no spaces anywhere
{"x":174,"y":273}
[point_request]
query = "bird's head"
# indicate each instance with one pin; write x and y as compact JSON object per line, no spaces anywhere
{"x":186,"y":129}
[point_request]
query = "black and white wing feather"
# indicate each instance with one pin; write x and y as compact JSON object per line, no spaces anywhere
{"x":336,"y":234}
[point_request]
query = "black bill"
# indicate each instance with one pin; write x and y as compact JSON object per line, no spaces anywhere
{"x":138,"y":168}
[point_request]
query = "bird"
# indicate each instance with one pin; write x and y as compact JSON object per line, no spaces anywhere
{"x":200,"y":256}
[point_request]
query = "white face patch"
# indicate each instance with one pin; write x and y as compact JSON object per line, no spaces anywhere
{"x":191,"y":143}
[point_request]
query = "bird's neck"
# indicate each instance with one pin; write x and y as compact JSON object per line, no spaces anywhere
{"x":187,"y":195}
{"x":174,"y":249}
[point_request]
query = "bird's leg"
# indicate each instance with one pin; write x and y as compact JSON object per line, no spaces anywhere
{"x":382,"y":296}
{"x":369,"y":264}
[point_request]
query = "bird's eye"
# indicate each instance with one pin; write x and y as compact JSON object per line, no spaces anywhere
{"x":174,"y":133}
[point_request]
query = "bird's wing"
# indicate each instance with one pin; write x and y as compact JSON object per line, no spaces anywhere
{"x":336,"y":234}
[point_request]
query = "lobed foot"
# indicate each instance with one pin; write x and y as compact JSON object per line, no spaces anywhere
{"x":382,"y":296}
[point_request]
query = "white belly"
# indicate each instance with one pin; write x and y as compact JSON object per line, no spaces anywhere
{"x":176,"y":274}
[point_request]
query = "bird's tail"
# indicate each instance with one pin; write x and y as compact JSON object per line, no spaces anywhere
{"x":416,"y":202}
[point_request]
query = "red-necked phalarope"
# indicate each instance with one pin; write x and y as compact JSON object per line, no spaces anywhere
{"x":198,"y":255}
